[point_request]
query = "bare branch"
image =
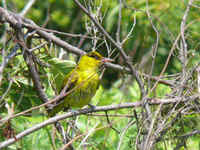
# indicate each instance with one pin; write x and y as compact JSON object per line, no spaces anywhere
{"x":123,"y":133}
{"x":183,"y":50}
{"x":125,"y":57}
{"x":90,"y":110}
{"x":119,"y":22}
{"x":17,"y":21}
{"x":27,"y":7}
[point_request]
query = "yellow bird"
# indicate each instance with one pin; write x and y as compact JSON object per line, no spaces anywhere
{"x":82,"y":82}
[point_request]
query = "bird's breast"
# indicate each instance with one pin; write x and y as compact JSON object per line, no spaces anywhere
{"x":87,"y":86}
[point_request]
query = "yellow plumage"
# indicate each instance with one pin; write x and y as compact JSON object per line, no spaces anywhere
{"x":81,"y":83}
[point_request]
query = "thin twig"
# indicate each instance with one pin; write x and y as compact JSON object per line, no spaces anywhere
{"x":119,"y":23}
{"x":122,"y":52}
{"x":27,"y":7}
{"x":91,"y":110}
{"x":124,"y":131}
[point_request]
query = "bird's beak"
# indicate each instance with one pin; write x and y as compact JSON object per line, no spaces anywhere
{"x":104,"y":60}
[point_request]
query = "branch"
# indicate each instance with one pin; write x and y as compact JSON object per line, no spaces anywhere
{"x":27,"y":7}
{"x":189,"y":134}
{"x":17,"y":21}
{"x":91,"y":110}
{"x":119,"y":47}
{"x":183,"y":55}
{"x":184,"y":50}
{"x":28,"y":57}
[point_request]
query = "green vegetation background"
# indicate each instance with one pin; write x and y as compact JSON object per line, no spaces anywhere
{"x":65,"y":16}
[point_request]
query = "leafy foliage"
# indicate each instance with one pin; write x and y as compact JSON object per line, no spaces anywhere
{"x":17,"y":88}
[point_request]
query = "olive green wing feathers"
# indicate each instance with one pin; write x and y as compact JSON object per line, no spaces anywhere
{"x":69,"y":83}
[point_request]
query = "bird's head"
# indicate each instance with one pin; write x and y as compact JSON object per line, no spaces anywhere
{"x":93,"y":60}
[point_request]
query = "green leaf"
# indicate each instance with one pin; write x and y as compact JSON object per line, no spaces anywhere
{"x":59,"y":69}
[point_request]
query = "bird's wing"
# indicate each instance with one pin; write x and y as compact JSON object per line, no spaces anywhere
{"x":70,"y":81}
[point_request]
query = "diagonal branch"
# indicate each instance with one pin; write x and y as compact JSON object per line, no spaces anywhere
{"x":16,"y":20}
{"x":119,"y":47}
{"x":91,"y":110}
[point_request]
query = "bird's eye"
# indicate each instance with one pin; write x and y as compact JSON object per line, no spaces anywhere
{"x":93,"y":55}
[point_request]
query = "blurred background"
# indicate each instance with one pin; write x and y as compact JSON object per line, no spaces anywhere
{"x":152,"y":33}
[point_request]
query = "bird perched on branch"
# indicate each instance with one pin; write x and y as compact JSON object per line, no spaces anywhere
{"x":81,"y":83}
